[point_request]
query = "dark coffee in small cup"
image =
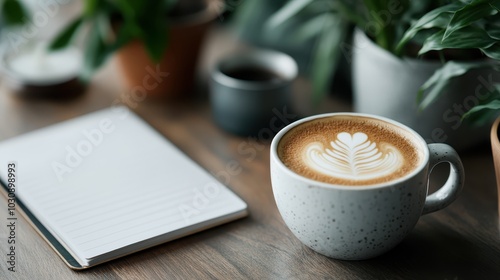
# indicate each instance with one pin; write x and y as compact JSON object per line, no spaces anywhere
{"x":250,"y":90}
{"x":253,"y":73}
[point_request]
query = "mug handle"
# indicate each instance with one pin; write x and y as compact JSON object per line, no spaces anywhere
{"x":443,"y":197}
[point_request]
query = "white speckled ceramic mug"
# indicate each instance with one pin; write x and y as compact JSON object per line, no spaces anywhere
{"x":364,"y":221}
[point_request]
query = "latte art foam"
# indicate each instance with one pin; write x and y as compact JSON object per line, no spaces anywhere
{"x":353,"y":157}
{"x":349,"y":150}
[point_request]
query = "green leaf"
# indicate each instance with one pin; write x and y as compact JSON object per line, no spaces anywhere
{"x":154,"y":27}
{"x":13,"y":12}
{"x":470,"y":37}
{"x":90,"y":7}
{"x":327,"y":55}
{"x":429,"y":20}
{"x":493,"y":51}
{"x":441,"y":78}
{"x":467,"y":15}
{"x":103,"y":26}
{"x":95,"y":54}
{"x":123,"y":36}
{"x":493,"y":31}
{"x":492,"y":105}
{"x":128,"y":9}
{"x":288,"y":11}
{"x":310,"y":28}
{"x":440,"y":22}
{"x":481,"y":118}
{"x":155,"y":38}
{"x":348,"y":10}
{"x":495,"y":6}
{"x":65,"y":37}
{"x":378,"y":23}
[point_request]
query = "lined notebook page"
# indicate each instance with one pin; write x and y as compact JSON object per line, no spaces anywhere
{"x":108,"y":180}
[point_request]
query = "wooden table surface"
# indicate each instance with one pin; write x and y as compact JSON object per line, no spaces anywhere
{"x":459,"y":242}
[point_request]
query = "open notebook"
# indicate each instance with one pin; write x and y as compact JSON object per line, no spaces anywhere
{"x":106,"y":184}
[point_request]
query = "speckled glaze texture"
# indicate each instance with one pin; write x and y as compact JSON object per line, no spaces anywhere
{"x":360,"y":222}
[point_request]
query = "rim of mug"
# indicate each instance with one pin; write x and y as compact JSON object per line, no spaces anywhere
{"x":416,"y":136}
{"x":256,"y":56}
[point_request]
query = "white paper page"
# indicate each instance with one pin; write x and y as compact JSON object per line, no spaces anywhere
{"x":107,"y":180}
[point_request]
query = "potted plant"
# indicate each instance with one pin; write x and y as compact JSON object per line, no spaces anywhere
{"x":157,"y":42}
{"x":476,"y":26}
{"x":388,"y":70}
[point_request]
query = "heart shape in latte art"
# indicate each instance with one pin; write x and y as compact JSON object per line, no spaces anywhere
{"x":353,"y":157}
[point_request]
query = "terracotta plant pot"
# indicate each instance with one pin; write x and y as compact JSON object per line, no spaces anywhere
{"x":495,"y":148}
{"x":173,"y":77}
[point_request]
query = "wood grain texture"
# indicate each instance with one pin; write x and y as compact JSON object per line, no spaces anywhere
{"x":460,"y":242}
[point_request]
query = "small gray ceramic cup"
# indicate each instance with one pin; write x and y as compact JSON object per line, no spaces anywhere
{"x":361,"y":222}
{"x":248,"y":88}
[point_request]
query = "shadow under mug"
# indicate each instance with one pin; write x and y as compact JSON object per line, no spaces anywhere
{"x":361,"y":222}
{"x":251,"y":90}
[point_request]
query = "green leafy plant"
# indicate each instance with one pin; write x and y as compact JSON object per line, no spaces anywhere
{"x":465,"y":25}
{"x":323,"y":22}
{"x":113,"y":23}
{"x":12,"y":12}
{"x":328,"y":20}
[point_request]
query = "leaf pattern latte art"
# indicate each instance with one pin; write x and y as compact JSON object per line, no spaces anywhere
{"x":353,"y":157}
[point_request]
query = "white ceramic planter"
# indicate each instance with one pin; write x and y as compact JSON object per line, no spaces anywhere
{"x":386,"y":85}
